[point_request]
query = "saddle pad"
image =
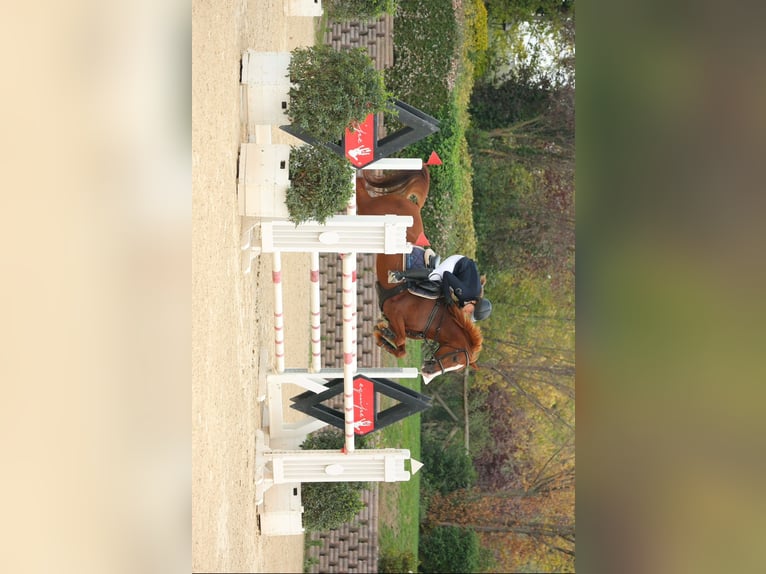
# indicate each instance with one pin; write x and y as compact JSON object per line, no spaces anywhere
{"x":425,"y":289}
{"x":415,"y":259}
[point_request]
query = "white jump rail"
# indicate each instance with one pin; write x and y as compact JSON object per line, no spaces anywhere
{"x":262,"y":184}
{"x":379,"y":465}
{"x":339,"y":234}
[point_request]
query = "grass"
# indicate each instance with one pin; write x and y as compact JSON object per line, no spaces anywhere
{"x":321,"y":25}
{"x":399,"y":502}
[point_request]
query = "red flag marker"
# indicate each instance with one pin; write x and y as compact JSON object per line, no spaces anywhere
{"x":434,"y":159}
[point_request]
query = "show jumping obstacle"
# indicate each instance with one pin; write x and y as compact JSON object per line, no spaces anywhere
{"x":263,"y":182}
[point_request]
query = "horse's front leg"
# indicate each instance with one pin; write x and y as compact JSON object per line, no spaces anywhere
{"x":388,"y":340}
{"x":398,"y":327}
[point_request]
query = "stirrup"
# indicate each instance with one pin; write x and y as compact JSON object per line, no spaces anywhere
{"x":430,"y":258}
{"x":395,"y":277}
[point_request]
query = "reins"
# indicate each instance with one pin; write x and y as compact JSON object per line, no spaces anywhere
{"x":431,"y":316}
{"x":435,"y":337}
{"x":384,"y":294}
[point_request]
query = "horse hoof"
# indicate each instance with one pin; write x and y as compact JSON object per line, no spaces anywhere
{"x":384,"y":342}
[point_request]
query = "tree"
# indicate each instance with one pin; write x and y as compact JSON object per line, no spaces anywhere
{"x":540,"y":523}
{"x":508,"y":10}
{"x":521,"y":96}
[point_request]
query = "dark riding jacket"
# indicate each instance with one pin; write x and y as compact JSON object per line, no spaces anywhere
{"x":464,"y":280}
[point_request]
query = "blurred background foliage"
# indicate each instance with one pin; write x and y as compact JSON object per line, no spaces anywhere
{"x":499,"y":442}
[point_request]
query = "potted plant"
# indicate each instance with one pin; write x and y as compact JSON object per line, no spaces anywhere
{"x":330,"y":92}
{"x":320,"y":184}
{"x":333,"y":90}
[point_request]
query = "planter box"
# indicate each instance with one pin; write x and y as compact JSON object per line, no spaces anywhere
{"x":263,"y":180}
{"x":266,"y":88}
{"x":282,"y":510}
{"x":265,"y":68}
{"x":303,"y":7}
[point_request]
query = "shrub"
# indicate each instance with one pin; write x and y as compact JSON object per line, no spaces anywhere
{"x":332,"y":90}
{"x":397,"y":562}
{"x":320,"y":184}
{"x":446,"y":469}
{"x":359,"y":9}
{"x":477,"y":39}
{"x":449,"y":549}
{"x":330,"y":438}
{"x":328,"y":505}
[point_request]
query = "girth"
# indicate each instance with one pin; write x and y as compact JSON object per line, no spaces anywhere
{"x":385,"y":294}
{"x":429,"y":321}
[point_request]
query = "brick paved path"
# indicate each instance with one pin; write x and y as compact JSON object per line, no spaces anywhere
{"x":354,"y":546}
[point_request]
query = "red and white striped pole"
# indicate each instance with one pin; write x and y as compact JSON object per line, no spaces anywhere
{"x":349,"y":332}
{"x":316,"y":332}
{"x":279,"y":319}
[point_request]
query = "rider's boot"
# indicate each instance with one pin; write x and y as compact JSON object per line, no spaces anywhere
{"x":430,"y":258}
{"x":416,"y":274}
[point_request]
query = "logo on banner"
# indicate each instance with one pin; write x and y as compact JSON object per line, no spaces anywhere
{"x":360,"y":142}
{"x":364,"y":405}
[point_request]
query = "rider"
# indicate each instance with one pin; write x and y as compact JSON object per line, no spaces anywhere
{"x":459,"y":276}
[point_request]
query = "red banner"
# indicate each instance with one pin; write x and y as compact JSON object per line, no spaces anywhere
{"x":360,"y":142}
{"x":364,"y":405}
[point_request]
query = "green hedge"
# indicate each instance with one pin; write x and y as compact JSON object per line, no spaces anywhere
{"x":328,"y":505}
{"x":433,"y":73}
{"x":358,"y":9}
{"x":332,"y":90}
{"x":449,"y":549}
{"x":320,"y":183}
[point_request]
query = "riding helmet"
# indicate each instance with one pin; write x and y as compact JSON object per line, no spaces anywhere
{"x":482,"y":309}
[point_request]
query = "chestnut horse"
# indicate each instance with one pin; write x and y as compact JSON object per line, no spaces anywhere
{"x":409,"y":315}
{"x":408,"y":183}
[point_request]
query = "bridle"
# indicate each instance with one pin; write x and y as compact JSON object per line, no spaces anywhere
{"x":457,"y":351}
{"x":423,"y":334}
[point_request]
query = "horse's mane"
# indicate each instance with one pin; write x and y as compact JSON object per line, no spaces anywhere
{"x":475,"y":338}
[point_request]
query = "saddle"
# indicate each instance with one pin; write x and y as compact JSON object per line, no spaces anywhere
{"x":421,"y":287}
{"x":422,"y":261}
{"x":424,"y":288}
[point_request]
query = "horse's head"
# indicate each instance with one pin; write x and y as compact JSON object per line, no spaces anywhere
{"x":457,"y":352}
{"x":445,"y":361}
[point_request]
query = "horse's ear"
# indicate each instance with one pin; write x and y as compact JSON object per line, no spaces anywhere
{"x":474,"y":365}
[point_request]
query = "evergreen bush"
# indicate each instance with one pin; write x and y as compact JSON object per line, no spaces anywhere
{"x":333,"y":90}
{"x":320,"y":184}
{"x":359,"y":9}
{"x":446,"y":469}
{"x":328,"y":505}
{"x":448,"y":549}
